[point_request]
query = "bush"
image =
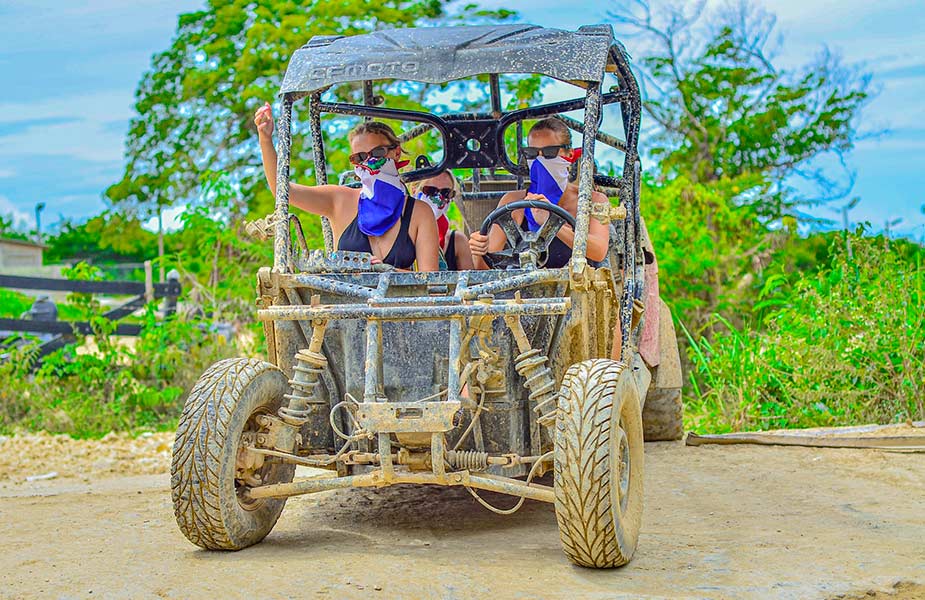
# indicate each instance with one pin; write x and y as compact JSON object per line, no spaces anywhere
{"x":842,"y":345}
{"x":95,"y":386}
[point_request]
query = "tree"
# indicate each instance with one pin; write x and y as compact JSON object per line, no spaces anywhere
{"x":10,"y":229}
{"x":195,"y":105}
{"x":722,"y":109}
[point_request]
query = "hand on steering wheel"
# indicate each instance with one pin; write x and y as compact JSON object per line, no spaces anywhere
{"x":525,"y":249}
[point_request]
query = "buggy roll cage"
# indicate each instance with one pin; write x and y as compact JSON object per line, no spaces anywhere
{"x":474,"y":140}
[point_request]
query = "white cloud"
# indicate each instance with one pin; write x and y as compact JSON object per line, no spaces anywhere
{"x":20,"y":218}
{"x":89,"y":137}
{"x":171,"y":218}
{"x":5,"y":173}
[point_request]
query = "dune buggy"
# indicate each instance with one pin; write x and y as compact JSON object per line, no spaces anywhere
{"x":482,"y":379}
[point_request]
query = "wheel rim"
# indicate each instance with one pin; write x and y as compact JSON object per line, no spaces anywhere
{"x":250,"y":469}
{"x":623,"y":466}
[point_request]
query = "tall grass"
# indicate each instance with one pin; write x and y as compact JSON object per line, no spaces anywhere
{"x":843,"y":345}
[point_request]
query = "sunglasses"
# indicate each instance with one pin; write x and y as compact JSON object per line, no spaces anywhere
{"x":531,"y":152}
{"x":445,"y":193}
{"x":377,"y":152}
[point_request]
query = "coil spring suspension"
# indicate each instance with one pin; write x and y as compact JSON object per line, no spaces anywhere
{"x":539,"y":380}
{"x":470,"y":460}
{"x":308,"y":369}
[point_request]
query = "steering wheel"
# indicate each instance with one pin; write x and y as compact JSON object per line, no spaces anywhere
{"x":525,"y":249}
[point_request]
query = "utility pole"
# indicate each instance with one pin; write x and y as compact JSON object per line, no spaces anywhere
{"x":922,"y":209}
{"x":890,"y":224}
{"x":846,"y":225}
{"x":160,"y":242}
{"x":38,"y":221}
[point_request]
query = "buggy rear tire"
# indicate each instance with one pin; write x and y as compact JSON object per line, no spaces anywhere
{"x":662,"y":415}
{"x":599,"y":464}
{"x":207,"y":500}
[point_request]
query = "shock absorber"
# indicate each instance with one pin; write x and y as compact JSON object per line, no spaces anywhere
{"x":310,"y":364}
{"x":531,"y":365}
{"x":304,"y":383}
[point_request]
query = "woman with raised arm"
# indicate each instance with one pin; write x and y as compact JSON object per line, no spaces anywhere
{"x":551,"y":158}
{"x":380,"y":217}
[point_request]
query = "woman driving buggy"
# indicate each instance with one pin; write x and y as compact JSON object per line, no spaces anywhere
{"x":438,"y":192}
{"x":553,"y":179}
{"x":380,"y":217}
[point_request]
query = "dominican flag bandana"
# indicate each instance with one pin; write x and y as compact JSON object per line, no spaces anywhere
{"x":382,"y":198}
{"x":548,"y":176}
{"x":439,"y":205}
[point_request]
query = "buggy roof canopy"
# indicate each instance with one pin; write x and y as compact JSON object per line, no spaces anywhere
{"x":440,"y":54}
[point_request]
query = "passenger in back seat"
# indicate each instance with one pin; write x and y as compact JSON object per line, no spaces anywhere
{"x":438,"y":192}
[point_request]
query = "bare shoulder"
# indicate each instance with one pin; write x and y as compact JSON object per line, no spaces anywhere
{"x":421,"y":210}
{"x":512,"y":196}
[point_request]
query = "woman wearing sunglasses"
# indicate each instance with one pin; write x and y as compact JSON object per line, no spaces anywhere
{"x":550,"y":156}
{"x":378,"y":217}
{"x":438,"y":192}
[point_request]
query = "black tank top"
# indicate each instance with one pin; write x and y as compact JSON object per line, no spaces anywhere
{"x":558,"y":253}
{"x":402,"y":254}
{"x":450,"y":255}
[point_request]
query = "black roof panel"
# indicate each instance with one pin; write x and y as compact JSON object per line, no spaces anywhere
{"x":440,"y":54}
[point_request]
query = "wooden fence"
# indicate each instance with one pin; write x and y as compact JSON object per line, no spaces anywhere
{"x":63,"y":331}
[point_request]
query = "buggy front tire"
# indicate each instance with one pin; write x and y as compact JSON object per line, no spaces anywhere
{"x":208,"y":493}
{"x":599,"y":464}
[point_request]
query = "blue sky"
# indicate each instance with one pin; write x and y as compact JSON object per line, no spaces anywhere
{"x":69,"y":70}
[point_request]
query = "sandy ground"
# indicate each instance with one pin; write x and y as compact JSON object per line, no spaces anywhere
{"x":720,"y":522}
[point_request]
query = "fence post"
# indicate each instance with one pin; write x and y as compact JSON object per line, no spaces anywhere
{"x":170,"y":302}
{"x":149,"y":282}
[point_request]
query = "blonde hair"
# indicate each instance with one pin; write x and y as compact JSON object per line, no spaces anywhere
{"x":374,"y":127}
{"x":456,"y":185}
{"x":556,"y":126}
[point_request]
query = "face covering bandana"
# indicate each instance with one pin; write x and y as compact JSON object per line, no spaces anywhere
{"x":439,"y":205}
{"x":382,"y":198}
{"x":548,"y":176}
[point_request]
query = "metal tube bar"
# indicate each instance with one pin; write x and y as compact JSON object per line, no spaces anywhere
{"x":282,"y":243}
{"x":321,"y":167}
{"x":494,"y":85}
{"x":310,"y":486}
{"x":402,"y":279}
{"x":368,"y":95}
{"x":517,"y":281}
{"x":373,"y":359}
{"x":514,"y":487}
{"x":413,"y":301}
{"x":520,"y":143}
{"x":335,"y":287}
{"x":414,"y":132}
{"x":484,"y":195}
{"x":482,"y":481}
{"x":543,"y":306}
{"x":606,"y":138}
{"x":452,"y":378}
{"x":455,"y":350}
{"x":586,"y":179}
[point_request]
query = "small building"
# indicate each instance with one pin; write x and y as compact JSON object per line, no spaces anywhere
{"x":20,"y":254}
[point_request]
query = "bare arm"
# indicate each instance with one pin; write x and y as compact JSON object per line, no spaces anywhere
{"x":425,"y":237}
{"x":598,"y":233}
{"x":319,"y":200}
{"x":464,"y":260}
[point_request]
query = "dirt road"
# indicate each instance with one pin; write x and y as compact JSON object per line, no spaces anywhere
{"x":720,"y":522}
